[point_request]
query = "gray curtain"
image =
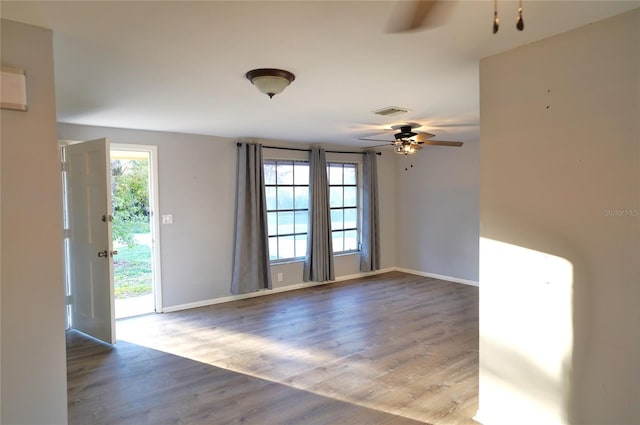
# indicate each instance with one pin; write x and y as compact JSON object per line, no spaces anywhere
{"x":251,"y":266}
{"x":370,"y":250}
{"x":318,"y":265}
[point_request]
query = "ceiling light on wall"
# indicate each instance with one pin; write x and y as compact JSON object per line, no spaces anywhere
{"x":270,"y":81}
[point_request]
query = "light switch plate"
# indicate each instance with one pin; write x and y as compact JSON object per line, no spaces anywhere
{"x":167,"y":218}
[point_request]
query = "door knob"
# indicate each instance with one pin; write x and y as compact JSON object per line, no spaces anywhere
{"x":103,"y":253}
{"x":115,"y":252}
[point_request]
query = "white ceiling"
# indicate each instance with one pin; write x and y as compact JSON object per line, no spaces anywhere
{"x":180,"y":66}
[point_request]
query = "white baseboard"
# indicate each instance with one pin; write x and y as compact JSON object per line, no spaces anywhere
{"x":439,"y":276}
{"x":362,"y":274}
{"x":479,"y":418}
{"x":261,"y":293}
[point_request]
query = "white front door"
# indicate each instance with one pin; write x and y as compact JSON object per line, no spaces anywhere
{"x":90,"y":246}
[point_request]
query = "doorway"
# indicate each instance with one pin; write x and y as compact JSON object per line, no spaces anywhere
{"x":88,"y":233}
{"x":135,"y":229}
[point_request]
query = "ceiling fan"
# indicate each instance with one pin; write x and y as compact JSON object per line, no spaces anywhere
{"x":425,"y":14}
{"x":407,"y":142}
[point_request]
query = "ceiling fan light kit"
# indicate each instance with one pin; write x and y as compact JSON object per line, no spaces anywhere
{"x":270,"y":81}
{"x":406,"y":147}
{"x":519,"y":21}
{"x":496,"y":20}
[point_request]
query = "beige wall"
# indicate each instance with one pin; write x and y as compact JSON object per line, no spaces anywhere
{"x":437,"y":210}
{"x":560,"y":229}
{"x":34,"y":389}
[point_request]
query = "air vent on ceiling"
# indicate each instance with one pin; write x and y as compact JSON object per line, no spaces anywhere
{"x":390,"y":110}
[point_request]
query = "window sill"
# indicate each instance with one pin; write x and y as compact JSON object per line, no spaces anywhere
{"x":288,"y":261}
{"x":345,"y":253}
{"x":301,"y":260}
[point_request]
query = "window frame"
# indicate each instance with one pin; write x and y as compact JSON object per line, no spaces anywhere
{"x":277,"y":210}
{"x":357,"y":207}
{"x":344,"y":158}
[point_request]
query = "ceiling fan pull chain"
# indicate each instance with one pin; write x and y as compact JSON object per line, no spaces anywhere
{"x":496,"y":21}
{"x":520,"y":22}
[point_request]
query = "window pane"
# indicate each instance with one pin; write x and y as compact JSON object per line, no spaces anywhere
{"x":286,"y":246}
{"x":350,"y":196}
{"x":272,"y":223}
{"x":285,"y":223}
{"x":335,"y":174}
{"x":338,"y":245}
{"x":301,"y":245}
{"x":269,"y":172}
{"x":301,"y":173}
{"x":350,"y":240}
{"x":302,"y":197}
{"x":302,"y":220}
{"x":335,"y":196}
{"x":285,"y":172}
{"x":287,"y":205}
{"x":285,"y":198}
{"x":273,"y":248}
{"x":337,"y":220}
{"x":270,"y":193}
{"x":350,"y":173}
{"x":350,"y":218}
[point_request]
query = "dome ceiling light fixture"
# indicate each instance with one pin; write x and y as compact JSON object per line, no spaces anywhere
{"x":270,"y":81}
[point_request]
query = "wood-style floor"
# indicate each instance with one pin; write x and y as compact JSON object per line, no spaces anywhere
{"x":387,"y":349}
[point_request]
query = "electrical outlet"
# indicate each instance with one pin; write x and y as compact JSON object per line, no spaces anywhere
{"x":280,"y":277}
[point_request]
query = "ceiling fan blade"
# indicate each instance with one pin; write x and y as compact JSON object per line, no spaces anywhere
{"x":367,"y":139}
{"x":415,"y":15}
{"x":410,"y":15}
{"x":424,"y":136}
{"x":441,"y":143}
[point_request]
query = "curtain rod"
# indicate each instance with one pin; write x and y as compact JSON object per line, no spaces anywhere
{"x":308,"y":150}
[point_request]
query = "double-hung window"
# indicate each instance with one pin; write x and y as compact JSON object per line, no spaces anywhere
{"x":287,"y":192}
{"x":343,"y":201}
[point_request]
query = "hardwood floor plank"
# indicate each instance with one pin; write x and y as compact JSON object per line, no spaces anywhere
{"x":387,"y":349}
